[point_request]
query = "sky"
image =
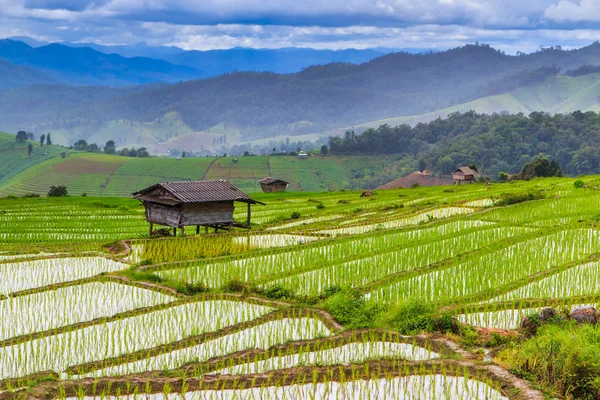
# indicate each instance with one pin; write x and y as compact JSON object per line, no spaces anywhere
{"x":510,"y":25}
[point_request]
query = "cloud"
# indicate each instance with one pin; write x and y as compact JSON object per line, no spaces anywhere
{"x":511,"y":25}
{"x":583,"y":10}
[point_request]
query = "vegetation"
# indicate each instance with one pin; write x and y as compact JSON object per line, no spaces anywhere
{"x":501,"y":143}
{"x":403,"y":271}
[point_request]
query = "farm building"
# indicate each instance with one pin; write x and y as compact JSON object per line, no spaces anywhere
{"x":207,"y":203}
{"x":465,"y":174}
{"x":269,"y":185}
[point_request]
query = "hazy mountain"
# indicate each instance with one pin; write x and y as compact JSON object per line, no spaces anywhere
{"x":253,"y":105}
{"x":85,"y":66}
{"x":12,"y":75}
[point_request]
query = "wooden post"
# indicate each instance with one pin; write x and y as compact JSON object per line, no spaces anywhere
{"x":150,"y":230}
{"x":182,"y":231}
{"x":174,"y":231}
{"x":197,"y":229}
{"x":206,"y":229}
{"x":248,"y":216}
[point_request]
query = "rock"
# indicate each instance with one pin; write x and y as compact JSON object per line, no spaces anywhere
{"x":529,"y":325}
{"x":547,"y":313}
{"x":585,"y":315}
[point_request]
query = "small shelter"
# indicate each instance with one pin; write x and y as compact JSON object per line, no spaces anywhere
{"x":208,"y":203}
{"x":269,"y":185}
{"x":302,"y":154}
{"x":465,"y":174}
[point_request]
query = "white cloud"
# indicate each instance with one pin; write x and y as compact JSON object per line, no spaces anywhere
{"x":565,"y":10}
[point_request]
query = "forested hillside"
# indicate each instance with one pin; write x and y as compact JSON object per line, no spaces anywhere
{"x":496,"y":143}
{"x":316,"y":100}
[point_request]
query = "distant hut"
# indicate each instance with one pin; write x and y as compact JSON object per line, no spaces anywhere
{"x":302,"y":154}
{"x":465,"y":174}
{"x":207,"y":203}
{"x":269,"y":185}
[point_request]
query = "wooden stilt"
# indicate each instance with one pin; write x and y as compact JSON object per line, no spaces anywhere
{"x":150,"y":229}
{"x":206,"y":229}
{"x":197,"y":229}
{"x":182,"y":231}
{"x":174,"y":231}
{"x":248,"y":216}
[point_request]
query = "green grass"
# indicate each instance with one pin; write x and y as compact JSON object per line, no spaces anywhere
{"x":106,"y":175}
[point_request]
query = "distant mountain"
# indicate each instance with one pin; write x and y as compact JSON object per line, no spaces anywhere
{"x":85,"y":66}
{"x":12,"y":75}
{"x":284,"y":60}
{"x":319,"y":99}
{"x":217,"y":62}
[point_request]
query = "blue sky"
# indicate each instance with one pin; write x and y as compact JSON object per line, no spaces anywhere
{"x":511,"y":25}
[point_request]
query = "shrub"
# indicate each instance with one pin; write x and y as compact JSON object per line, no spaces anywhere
{"x":578,"y":184}
{"x":349,"y":307}
{"x":278,"y":292}
{"x":415,"y":316}
{"x":415,"y":185}
{"x":58,"y":191}
{"x":502,"y":176}
{"x":320,"y":206}
{"x":563,"y":357}
{"x":295,"y":215}
{"x":514,"y":198}
{"x":234,"y":286}
{"x":30,"y":195}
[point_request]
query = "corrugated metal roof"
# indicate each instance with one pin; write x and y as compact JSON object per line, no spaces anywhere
{"x":207,"y":191}
{"x":269,"y":180}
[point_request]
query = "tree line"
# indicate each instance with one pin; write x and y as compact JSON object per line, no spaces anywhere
{"x":496,"y":143}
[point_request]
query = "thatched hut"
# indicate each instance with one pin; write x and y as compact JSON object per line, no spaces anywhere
{"x":208,"y":203}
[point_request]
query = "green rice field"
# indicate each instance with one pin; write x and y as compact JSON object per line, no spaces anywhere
{"x":316,"y":301}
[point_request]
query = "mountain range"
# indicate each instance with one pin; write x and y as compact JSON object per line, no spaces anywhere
{"x":254,"y":107}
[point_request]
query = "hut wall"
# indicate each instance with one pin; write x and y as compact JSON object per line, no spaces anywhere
{"x":266,"y":188}
{"x":273,"y":187}
{"x":207,"y":213}
{"x":162,"y":215}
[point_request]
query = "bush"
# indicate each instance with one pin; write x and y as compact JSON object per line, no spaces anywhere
{"x":514,"y":198}
{"x":278,"y":292}
{"x":295,"y":215}
{"x":413,"y":317}
{"x":30,"y":195}
{"x":349,"y":307}
{"x":578,"y":184}
{"x":415,"y":185}
{"x":320,"y":206}
{"x":502,"y":176}
{"x":58,"y":191}
{"x":563,"y":357}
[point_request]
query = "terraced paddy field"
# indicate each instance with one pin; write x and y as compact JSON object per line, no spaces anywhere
{"x":407,"y":294}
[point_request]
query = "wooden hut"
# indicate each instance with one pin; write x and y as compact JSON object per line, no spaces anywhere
{"x":269,"y":185}
{"x":207,"y":203}
{"x":465,"y":174}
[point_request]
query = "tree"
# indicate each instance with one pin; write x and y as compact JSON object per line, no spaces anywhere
{"x":81,"y":144}
{"x":246,"y":153}
{"x":324,"y":150}
{"x":58,"y":191}
{"x":183,"y":154}
{"x":93,"y":148}
{"x":473,"y":167}
{"x":30,"y":136}
{"x":502,"y":176}
{"x":446,"y":164}
{"x":422,"y":165}
{"x":48,"y":139}
{"x":21,"y":136}
{"x":143,"y":152}
{"x":29,"y":149}
{"x":63,"y":154}
{"x":110,"y":148}
{"x":42,"y":139}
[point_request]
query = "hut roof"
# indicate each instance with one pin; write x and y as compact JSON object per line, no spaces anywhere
{"x":269,"y":181}
{"x":466,"y":171}
{"x":208,"y":191}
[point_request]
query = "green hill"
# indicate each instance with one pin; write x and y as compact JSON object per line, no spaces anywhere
{"x":557,"y":94}
{"x":106,"y":175}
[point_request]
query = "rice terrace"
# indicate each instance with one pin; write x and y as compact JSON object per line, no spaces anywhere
{"x":410,"y":293}
{"x":320,"y":200}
